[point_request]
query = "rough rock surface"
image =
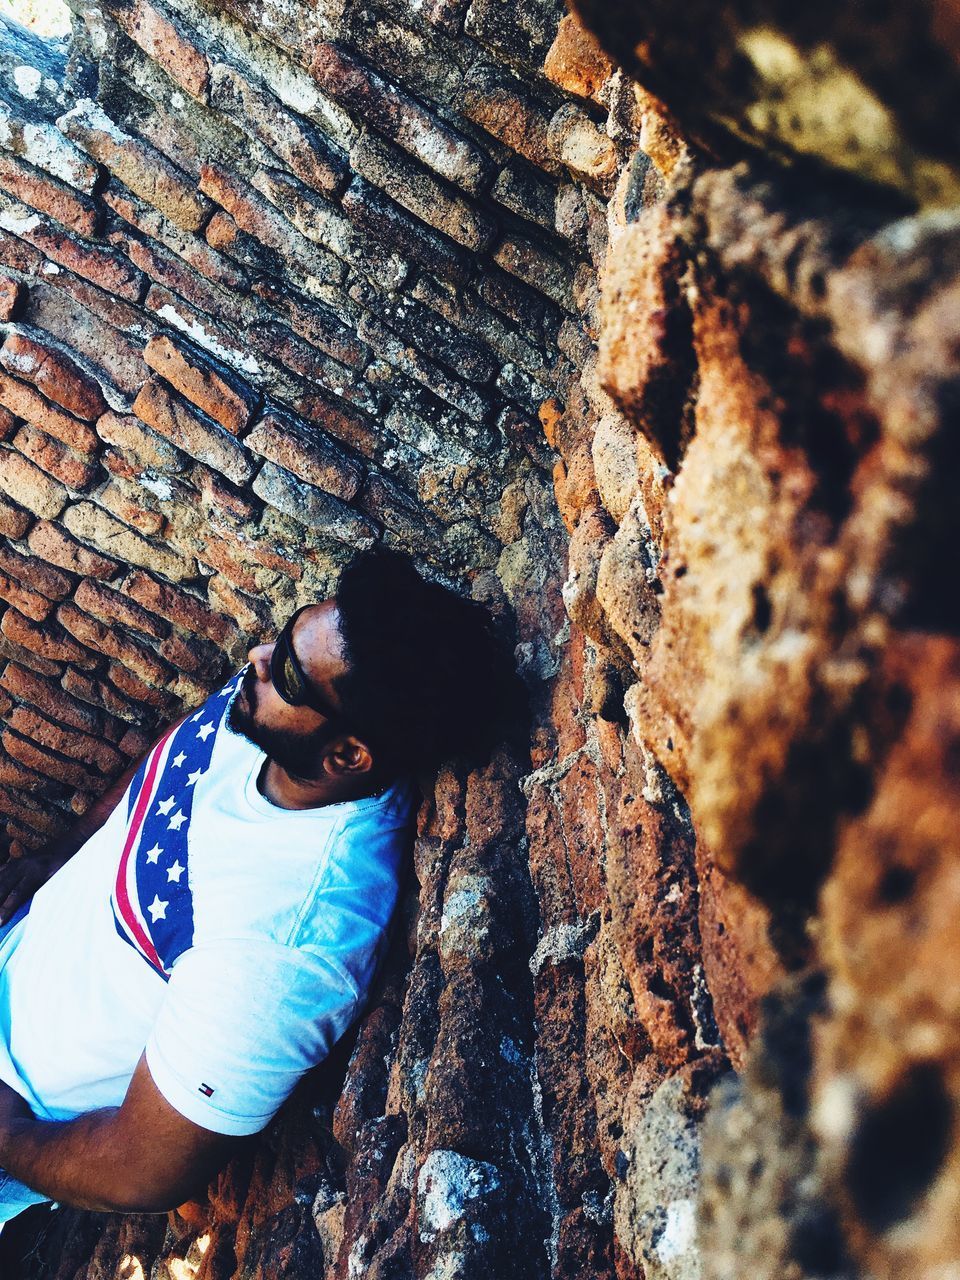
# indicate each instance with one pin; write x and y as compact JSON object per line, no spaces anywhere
{"x":661,"y":369}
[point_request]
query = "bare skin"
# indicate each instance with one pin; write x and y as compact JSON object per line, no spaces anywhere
{"x":167,"y":1158}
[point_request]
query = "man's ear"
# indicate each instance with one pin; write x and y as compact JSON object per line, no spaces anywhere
{"x":347,"y":757}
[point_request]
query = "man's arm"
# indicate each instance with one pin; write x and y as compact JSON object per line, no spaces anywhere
{"x":140,"y":1157}
{"x":20,"y":878}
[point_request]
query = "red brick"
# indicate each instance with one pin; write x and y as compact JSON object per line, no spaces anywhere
{"x":138,"y":443}
{"x":183,"y":610}
{"x":8,"y":423}
{"x":14,"y":805}
{"x":50,"y":543}
{"x":51,"y":764}
{"x":27,"y":403}
{"x":37,"y":491}
{"x":166,"y":269}
{"x":220,"y":394}
{"x":6,"y":702}
{"x":47,"y":642}
{"x":254,"y":617}
{"x":36,"y":574}
{"x":55,"y":374}
{"x":135,"y":743}
{"x":394,"y":113}
{"x":293,"y":445}
{"x":230,"y":562}
{"x":165,"y":42}
{"x":48,"y":697}
{"x":400,"y":232}
{"x":77,"y":328}
{"x":187,"y":653}
{"x":339,"y":421}
{"x":114,"y":606}
{"x":125,"y":507}
{"x":136,"y":689}
{"x":14,"y":521}
{"x":100,"y":694}
{"x":17,"y":775}
{"x":175,"y":311}
{"x":17,"y":255}
{"x":120,"y":315}
{"x":138,"y":165}
{"x":22,"y":598}
{"x":142,"y":661}
{"x":26,"y":658}
{"x":68,"y":742}
{"x":12,"y":295}
{"x":75,"y":470}
{"x":40,"y":191}
{"x":22,"y":837}
{"x":111,"y":271}
{"x":226,"y":497}
{"x":192,"y":431}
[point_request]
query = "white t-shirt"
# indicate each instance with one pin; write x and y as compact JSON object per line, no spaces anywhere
{"x":232,"y":939}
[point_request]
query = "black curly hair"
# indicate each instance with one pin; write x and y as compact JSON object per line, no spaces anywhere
{"x":428,"y":679}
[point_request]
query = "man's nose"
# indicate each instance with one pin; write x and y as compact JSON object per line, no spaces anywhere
{"x":259,"y":658}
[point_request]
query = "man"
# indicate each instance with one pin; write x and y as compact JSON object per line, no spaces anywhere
{"x":217,"y":929}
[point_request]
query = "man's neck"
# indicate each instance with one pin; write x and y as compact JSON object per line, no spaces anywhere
{"x":287,"y":791}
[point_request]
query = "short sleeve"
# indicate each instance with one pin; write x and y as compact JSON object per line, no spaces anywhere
{"x":240,"y":1023}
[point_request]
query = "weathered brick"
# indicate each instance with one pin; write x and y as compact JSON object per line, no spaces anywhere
{"x":303,"y":149}
{"x":320,"y":325}
{"x":38,"y":819}
{"x":222,"y":497}
{"x":216,"y":338}
{"x":283,"y":347}
{"x":583,"y":146}
{"x":294,"y":445}
{"x":27,"y":403}
{"x":139,"y":166}
{"x":392,"y":507}
{"x":187,"y":653}
{"x":339,"y":421}
{"x":530,"y":310}
{"x":420,"y":193}
{"x":124,"y":503}
{"x":422,"y":60}
{"x":192,"y":431}
{"x":42,"y":144}
{"x":576,"y":61}
{"x":526,"y":192}
{"x":311,"y":506}
{"x":163,"y":40}
{"x":53,"y":372}
{"x":139,"y":443}
{"x":39,"y":191}
{"x":222,"y":233}
{"x":230,"y":561}
{"x":252,"y":616}
{"x":212,"y":388}
{"x":399,"y":116}
{"x":66,"y":741}
{"x":47,"y":642}
{"x":182,"y":609}
{"x":100,"y":694}
{"x":14,"y":774}
{"x":89,"y":523}
{"x":196,"y":252}
{"x":118,"y":314}
{"x":48,"y":697}
{"x":14,"y":521}
{"x":101,"y":266}
{"x":30,"y":486}
{"x":12,"y":296}
{"x":75,"y":470}
{"x":8,"y":424}
{"x":523,"y":35}
{"x":113,"y":606}
{"x":22,"y":838}
{"x":59,"y":768}
{"x":137,"y":690}
{"x":36,"y":574}
{"x":412,"y":362}
{"x":107,"y":351}
{"x":135,"y":743}
{"x":27,"y":658}
{"x":28,"y":602}
{"x":256,"y":216}
{"x":50,"y":543}
{"x":500,"y":103}
{"x":371,"y":210}
{"x":167,"y":269}
{"x":105,"y":639}
{"x":537,"y":268}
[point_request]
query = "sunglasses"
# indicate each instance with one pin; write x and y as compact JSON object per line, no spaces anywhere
{"x":288,"y":676}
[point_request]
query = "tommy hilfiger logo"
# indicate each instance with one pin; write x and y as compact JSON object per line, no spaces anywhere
{"x":206,"y":1091}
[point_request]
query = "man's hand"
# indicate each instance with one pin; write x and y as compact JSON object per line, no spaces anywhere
{"x":141,"y":1157}
{"x":20,"y":878}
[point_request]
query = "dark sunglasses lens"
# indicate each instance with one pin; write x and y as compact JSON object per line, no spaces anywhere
{"x":282,"y":671}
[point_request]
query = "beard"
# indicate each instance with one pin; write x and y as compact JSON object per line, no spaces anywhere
{"x":298,"y":754}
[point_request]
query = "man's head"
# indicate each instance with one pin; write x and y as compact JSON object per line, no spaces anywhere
{"x":395,"y":674}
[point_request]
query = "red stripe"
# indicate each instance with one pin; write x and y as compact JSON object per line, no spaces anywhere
{"x":139,"y":813}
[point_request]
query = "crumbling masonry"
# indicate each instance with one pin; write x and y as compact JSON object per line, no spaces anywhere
{"x":670,"y":383}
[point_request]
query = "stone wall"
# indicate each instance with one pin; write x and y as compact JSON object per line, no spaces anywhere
{"x":669,"y":388}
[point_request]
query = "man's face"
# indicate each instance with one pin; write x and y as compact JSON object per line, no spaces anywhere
{"x":294,"y":736}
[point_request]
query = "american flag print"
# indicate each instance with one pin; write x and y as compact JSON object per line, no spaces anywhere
{"x":152,"y":901}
